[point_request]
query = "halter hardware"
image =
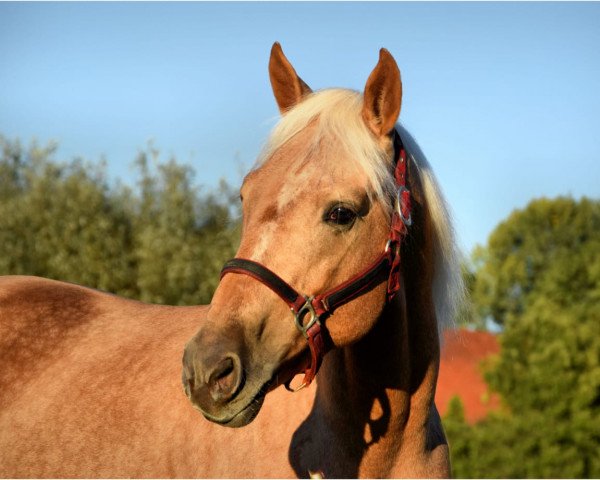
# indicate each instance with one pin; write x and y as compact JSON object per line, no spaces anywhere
{"x":319,"y":307}
{"x":307,"y":308}
{"x":400,"y":205}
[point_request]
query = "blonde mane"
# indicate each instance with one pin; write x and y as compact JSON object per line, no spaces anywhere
{"x":336,"y":114}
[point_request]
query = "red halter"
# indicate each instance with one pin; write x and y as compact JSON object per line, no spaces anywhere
{"x":320,"y":306}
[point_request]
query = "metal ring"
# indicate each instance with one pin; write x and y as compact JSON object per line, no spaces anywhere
{"x":406,"y":220}
{"x":304,"y":309}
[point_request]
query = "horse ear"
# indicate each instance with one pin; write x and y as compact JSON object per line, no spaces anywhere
{"x":288,"y":87}
{"x":383,"y":95}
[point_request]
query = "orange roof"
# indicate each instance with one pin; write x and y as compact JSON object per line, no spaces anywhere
{"x":460,"y":372}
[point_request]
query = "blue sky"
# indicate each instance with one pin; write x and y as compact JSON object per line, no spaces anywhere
{"x":504,"y":98}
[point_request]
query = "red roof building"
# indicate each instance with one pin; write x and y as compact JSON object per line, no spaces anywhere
{"x":460,"y":372}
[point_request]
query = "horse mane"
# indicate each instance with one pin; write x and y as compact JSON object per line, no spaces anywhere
{"x":336,"y":117}
{"x":449,"y":292}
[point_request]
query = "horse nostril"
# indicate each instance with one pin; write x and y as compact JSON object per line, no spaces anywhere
{"x":224,"y":380}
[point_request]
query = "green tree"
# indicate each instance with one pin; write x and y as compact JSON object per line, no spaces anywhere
{"x":182,"y":238}
{"x":163,"y":241}
{"x":540,"y":278}
{"x":59,"y":220}
{"x":527,"y":250}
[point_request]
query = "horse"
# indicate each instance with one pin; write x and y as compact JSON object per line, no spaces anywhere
{"x":347,"y":271}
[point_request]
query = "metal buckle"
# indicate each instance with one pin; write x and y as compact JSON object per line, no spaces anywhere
{"x":304,"y":309}
{"x":407,"y":221}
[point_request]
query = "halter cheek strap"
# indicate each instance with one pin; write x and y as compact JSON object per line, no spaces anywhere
{"x":317,"y":308}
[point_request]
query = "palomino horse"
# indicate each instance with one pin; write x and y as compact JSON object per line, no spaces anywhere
{"x":341,"y":207}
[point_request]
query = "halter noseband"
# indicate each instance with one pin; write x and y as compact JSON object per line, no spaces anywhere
{"x":320,"y":306}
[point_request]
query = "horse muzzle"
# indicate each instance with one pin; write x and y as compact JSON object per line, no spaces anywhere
{"x":213,"y":374}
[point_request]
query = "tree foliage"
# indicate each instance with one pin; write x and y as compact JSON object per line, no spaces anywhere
{"x":539,"y":277}
{"x":552,"y":244}
{"x":163,"y":241}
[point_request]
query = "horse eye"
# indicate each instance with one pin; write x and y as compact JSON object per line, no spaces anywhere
{"x":340,"y":216}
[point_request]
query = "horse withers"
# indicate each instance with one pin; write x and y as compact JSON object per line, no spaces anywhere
{"x":345,"y":274}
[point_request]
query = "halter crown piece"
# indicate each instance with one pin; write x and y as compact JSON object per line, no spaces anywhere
{"x":321,"y":306}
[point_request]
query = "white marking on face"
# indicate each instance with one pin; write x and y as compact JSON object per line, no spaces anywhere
{"x":266,"y":234}
{"x":307,"y":176}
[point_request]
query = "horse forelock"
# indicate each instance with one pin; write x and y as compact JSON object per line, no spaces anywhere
{"x":336,"y":117}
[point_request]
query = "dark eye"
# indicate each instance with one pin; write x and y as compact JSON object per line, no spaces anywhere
{"x":340,"y":216}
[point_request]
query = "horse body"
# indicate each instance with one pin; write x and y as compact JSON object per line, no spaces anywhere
{"x":101,"y":397}
{"x":91,"y":384}
{"x":100,"y":393}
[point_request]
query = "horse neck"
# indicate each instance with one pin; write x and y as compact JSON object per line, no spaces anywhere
{"x":377,"y":394}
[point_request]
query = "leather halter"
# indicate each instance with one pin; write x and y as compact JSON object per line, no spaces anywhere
{"x":320,"y":306}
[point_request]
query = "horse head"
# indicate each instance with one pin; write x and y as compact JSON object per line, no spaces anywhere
{"x":317,"y":213}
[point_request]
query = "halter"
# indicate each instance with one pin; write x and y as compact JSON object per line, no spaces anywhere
{"x":321,"y":306}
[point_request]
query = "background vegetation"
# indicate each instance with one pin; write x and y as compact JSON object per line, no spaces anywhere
{"x":539,"y":278}
{"x":165,"y":239}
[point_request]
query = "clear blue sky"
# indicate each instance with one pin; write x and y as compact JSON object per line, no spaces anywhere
{"x":504,"y":98}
